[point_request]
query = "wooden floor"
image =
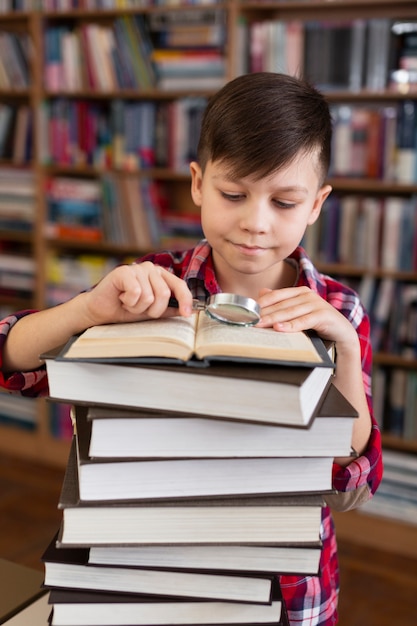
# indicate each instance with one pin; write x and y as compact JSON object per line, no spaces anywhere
{"x":377,"y":588}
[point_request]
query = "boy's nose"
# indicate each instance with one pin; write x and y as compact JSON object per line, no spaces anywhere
{"x":254,"y":217}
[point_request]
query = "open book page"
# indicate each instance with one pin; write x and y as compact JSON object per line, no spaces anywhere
{"x":171,"y":337}
{"x":175,"y":338}
{"x":216,"y":339}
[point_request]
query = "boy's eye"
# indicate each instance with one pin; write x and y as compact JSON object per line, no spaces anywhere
{"x":284,"y":205}
{"x":232,"y":197}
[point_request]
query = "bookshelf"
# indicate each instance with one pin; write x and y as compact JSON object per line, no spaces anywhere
{"x":115,"y":167}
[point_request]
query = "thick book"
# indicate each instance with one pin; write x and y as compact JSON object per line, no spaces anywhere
{"x":20,"y":586}
{"x":299,"y":559}
{"x":187,"y":478}
{"x":117,"y":433}
{"x":69,"y":568}
{"x":255,"y":393}
{"x":89,"y":609}
{"x":256,"y":520}
{"x":193,"y":339}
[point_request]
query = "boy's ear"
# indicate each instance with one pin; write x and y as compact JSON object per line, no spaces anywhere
{"x":321,"y":196}
{"x":196,"y":182}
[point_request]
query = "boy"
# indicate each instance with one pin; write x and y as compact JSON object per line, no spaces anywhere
{"x":263,"y":157}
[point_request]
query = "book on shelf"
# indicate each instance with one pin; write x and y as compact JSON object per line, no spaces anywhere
{"x":406,"y":142}
{"x":189,"y":36}
{"x":115,"y":480}
{"x":321,"y":65}
{"x":118,"y":433}
{"x":289,"y":559}
{"x":169,"y":19}
{"x":381,"y":312}
{"x":177,"y":69}
{"x":391,"y":244}
{"x":396,"y":414}
{"x":171,"y":83}
{"x":18,"y":411}
{"x":404,"y":75}
{"x":396,"y":497}
{"x":21,"y":586}
{"x":17,"y":274}
{"x":138,"y":47}
{"x":273,"y":520}
{"x":74,"y":208}
{"x":223,"y":390}
{"x":69,"y":568}
{"x":7,"y":121}
{"x":379,"y":47}
{"x":88,"y":609}
{"x":22,"y":141}
{"x":14,"y":54}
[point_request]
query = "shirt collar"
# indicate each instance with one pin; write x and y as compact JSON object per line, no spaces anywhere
{"x":200,"y":275}
{"x":201,"y":278}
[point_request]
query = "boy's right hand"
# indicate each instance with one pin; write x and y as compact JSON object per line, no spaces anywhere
{"x":136,"y":292}
{"x":126,"y":294}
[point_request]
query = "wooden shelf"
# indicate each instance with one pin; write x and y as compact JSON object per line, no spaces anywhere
{"x":337,"y":9}
{"x":394,"y":360}
{"x":111,"y":13}
{"x":40,"y":445}
{"x":369,"y":185}
{"x":397,"y":443}
{"x":377,"y":532}
{"x":342,"y":269}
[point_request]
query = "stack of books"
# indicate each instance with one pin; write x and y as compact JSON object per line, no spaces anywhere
{"x":192,"y":480}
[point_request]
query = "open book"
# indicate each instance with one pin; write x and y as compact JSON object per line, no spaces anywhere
{"x":196,"y":338}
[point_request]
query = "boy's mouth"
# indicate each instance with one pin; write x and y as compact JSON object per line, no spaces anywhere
{"x":249,"y":249}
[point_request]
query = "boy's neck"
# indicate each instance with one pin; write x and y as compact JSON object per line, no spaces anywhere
{"x":285,"y":275}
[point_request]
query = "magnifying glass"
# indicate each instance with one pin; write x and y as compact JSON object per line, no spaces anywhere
{"x":227,"y":308}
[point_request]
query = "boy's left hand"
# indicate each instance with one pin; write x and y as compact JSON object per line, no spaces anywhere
{"x":299,"y":308}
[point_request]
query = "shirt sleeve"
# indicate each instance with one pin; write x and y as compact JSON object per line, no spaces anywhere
{"x":31,"y":384}
{"x":364,"y":473}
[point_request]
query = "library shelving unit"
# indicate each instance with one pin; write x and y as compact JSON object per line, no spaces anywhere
{"x":48,"y":99}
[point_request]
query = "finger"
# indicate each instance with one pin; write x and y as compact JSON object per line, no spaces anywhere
{"x":161,"y":292}
{"x":300,"y":317}
{"x":180,"y":291}
{"x":269,"y":297}
{"x":295,"y":302}
{"x":136,"y":292}
{"x":126,"y":284}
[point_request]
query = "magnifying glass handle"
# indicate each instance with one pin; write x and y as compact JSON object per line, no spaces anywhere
{"x":198,"y":305}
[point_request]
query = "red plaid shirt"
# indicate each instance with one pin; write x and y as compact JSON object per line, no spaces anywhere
{"x":310,"y":600}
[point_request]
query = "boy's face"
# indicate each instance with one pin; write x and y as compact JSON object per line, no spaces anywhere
{"x":253,"y":225}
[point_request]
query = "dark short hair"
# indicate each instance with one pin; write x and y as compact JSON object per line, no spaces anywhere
{"x":258,"y":123}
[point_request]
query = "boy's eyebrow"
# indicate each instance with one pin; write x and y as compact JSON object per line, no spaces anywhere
{"x":293,"y":188}
{"x":233,"y":179}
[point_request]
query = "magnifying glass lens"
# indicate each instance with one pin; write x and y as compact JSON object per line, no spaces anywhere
{"x":232,"y":314}
{"x":232,"y":309}
{"x":227,"y":308}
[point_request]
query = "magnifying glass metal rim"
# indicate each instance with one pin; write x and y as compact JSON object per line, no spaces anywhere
{"x":250,"y":309}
